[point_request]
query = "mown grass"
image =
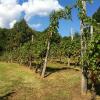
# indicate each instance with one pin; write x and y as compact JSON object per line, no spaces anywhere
{"x":28,"y":85}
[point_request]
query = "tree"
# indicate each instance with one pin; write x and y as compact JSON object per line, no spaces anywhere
{"x":53,"y":28}
{"x":93,"y":60}
{"x":13,"y":39}
{"x":81,"y":5}
{"x":3,"y":37}
{"x":92,"y":55}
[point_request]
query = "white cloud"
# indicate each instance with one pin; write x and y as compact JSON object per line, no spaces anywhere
{"x":8,"y":1}
{"x":11,"y":11}
{"x":40,"y":7}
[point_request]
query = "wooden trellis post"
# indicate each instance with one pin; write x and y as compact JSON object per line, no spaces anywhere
{"x":83,"y":51}
{"x":46,"y":58}
{"x":72,"y":37}
{"x":91,"y":31}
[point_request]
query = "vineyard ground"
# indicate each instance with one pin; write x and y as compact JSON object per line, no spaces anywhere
{"x":20,"y":83}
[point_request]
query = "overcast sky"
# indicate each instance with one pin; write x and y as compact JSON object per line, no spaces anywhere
{"x":36,"y":13}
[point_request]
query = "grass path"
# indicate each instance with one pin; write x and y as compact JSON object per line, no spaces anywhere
{"x":20,"y":83}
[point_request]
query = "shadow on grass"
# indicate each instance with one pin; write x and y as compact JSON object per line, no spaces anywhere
{"x":60,"y":62}
{"x":97,"y":87}
{"x":6,"y":96}
{"x":73,"y":64}
{"x":51,"y":70}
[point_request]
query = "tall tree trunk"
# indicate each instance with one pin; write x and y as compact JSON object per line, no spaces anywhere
{"x":83,"y":51}
{"x":46,"y":59}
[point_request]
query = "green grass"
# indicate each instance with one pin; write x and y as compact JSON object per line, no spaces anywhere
{"x":29,"y":86}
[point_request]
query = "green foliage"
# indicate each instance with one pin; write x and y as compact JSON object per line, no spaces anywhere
{"x":96,"y":16}
{"x":93,"y":55}
{"x":72,"y":48}
{"x":3,"y":37}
